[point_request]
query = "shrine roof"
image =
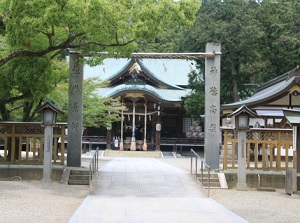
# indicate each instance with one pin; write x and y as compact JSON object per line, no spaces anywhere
{"x":270,"y":91}
{"x":172,"y":72}
{"x":167,"y":95}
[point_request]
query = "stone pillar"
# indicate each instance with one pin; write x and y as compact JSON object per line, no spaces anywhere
{"x":298,"y":155}
{"x":241,"y":184}
{"x":48,"y":146}
{"x":133,"y":143}
{"x":122,"y":126}
{"x":145,"y":128}
{"x":75,"y":110}
{"x":212,"y":106}
{"x":157,"y":130}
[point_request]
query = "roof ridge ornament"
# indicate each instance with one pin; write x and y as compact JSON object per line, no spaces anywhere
{"x":135,"y":68}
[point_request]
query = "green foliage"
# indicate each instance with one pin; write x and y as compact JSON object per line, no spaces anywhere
{"x":259,"y":40}
{"x":40,"y":27}
{"x":194,"y":103}
{"x":59,"y":95}
{"x":92,"y":25}
{"x":25,"y":81}
{"x":230,"y":23}
{"x":165,"y":42}
{"x":33,"y":33}
{"x":280,"y":45}
{"x":99,"y":111}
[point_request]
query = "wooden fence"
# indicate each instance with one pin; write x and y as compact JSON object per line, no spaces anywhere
{"x":267,"y":149}
{"x":23,"y":142}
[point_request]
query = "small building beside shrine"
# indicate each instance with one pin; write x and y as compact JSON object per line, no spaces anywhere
{"x":270,"y":137}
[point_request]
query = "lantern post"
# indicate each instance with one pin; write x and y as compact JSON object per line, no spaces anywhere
{"x":242,"y":116}
{"x":49,"y":112}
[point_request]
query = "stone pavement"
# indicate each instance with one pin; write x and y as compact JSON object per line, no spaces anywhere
{"x":146,"y":190}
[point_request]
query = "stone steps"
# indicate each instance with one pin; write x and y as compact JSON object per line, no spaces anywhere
{"x":217,"y":180}
{"x":79,"y":177}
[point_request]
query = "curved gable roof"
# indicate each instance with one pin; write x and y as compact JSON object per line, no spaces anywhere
{"x":110,"y":68}
{"x":167,"y":95}
{"x":167,"y":72}
{"x":172,"y":71}
{"x":270,"y":90}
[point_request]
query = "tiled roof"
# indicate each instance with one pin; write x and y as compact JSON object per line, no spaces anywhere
{"x":108,"y":69}
{"x":172,"y":72}
{"x":268,"y":91}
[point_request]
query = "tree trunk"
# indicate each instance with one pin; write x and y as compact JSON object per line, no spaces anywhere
{"x":4,"y":113}
{"x":235,"y":91}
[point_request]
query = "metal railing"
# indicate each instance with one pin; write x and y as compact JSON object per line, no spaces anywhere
{"x":203,"y":165}
{"x":93,"y":171}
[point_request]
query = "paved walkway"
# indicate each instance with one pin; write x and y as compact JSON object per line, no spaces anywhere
{"x":146,"y":190}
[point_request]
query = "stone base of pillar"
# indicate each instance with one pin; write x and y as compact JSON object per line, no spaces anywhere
{"x":145,"y":145}
{"x":157,"y":148}
{"x":46,"y":180}
{"x":133,"y":145}
{"x":241,"y":186}
{"x":121,"y":145}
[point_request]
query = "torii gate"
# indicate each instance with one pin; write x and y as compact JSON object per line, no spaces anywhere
{"x":212,"y":57}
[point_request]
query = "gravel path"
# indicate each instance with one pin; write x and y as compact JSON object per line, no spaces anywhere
{"x":260,"y":207}
{"x":33,"y":201}
{"x":253,"y":205}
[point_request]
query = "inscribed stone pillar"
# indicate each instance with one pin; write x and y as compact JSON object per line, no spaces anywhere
{"x":212,"y":106}
{"x":75,"y":108}
{"x":241,"y":184}
{"x":48,"y":144}
{"x":298,"y":155}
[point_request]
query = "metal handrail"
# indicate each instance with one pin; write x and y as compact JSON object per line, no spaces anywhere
{"x":93,"y":171}
{"x":204,"y":165}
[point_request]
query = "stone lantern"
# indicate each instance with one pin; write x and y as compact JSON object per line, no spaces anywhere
{"x":49,"y":112}
{"x":242,"y":116}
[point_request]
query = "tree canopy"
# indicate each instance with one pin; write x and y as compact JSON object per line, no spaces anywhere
{"x":39,"y":27}
{"x":259,"y":40}
{"x":35,"y":33}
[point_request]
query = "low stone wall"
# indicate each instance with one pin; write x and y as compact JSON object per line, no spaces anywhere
{"x":8,"y":172}
{"x":266,"y":180}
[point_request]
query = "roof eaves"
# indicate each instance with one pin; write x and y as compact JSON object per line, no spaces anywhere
{"x":281,"y":78}
{"x":261,"y":96}
{"x":141,"y":88}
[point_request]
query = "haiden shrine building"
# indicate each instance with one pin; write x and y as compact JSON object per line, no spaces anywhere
{"x":153,"y":91}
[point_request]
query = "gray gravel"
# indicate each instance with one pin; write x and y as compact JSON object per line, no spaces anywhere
{"x":253,"y":205}
{"x":259,"y":206}
{"x":24,"y":201}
